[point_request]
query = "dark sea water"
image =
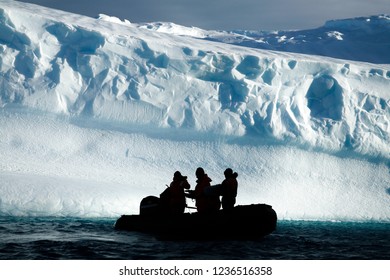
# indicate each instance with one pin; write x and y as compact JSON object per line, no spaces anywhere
{"x":90,"y":239}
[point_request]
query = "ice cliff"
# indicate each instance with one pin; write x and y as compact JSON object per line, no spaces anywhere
{"x":98,"y":69}
{"x":120,"y":74}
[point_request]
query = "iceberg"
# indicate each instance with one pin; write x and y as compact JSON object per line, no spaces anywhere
{"x":97,"y":113}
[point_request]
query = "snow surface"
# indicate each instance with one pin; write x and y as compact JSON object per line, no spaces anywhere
{"x":98,"y":113}
{"x":361,"y":39}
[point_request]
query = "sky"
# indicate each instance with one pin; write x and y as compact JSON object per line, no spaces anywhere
{"x":262,"y":15}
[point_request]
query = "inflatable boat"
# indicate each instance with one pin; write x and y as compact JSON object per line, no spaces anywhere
{"x":242,"y":222}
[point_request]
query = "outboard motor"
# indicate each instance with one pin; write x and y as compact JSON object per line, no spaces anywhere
{"x":150,"y":206}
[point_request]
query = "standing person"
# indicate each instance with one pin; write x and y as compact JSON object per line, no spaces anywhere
{"x":204,"y":203}
{"x":229,"y":189}
{"x":173,"y":198}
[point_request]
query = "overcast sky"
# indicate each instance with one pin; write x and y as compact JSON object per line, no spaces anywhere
{"x":226,"y":14}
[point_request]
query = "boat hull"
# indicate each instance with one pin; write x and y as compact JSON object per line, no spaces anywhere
{"x":242,"y":222}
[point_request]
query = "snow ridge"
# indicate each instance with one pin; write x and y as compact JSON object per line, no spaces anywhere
{"x":360,"y":39}
{"x":141,"y":77}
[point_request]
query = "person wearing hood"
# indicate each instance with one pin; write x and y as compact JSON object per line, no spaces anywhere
{"x":205,"y":203}
{"x":173,"y":197}
{"x":229,"y":189}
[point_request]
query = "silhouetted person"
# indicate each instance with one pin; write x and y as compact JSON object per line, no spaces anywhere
{"x":172,"y":199}
{"x":204,"y":203}
{"x":229,"y":189}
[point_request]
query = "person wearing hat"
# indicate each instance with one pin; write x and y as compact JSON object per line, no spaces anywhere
{"x":204,"y":203}
{"x":176,"y":200}
{"x":229,"y":189}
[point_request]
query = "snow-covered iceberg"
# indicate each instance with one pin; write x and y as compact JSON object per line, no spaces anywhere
{"x":97,"y":113}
